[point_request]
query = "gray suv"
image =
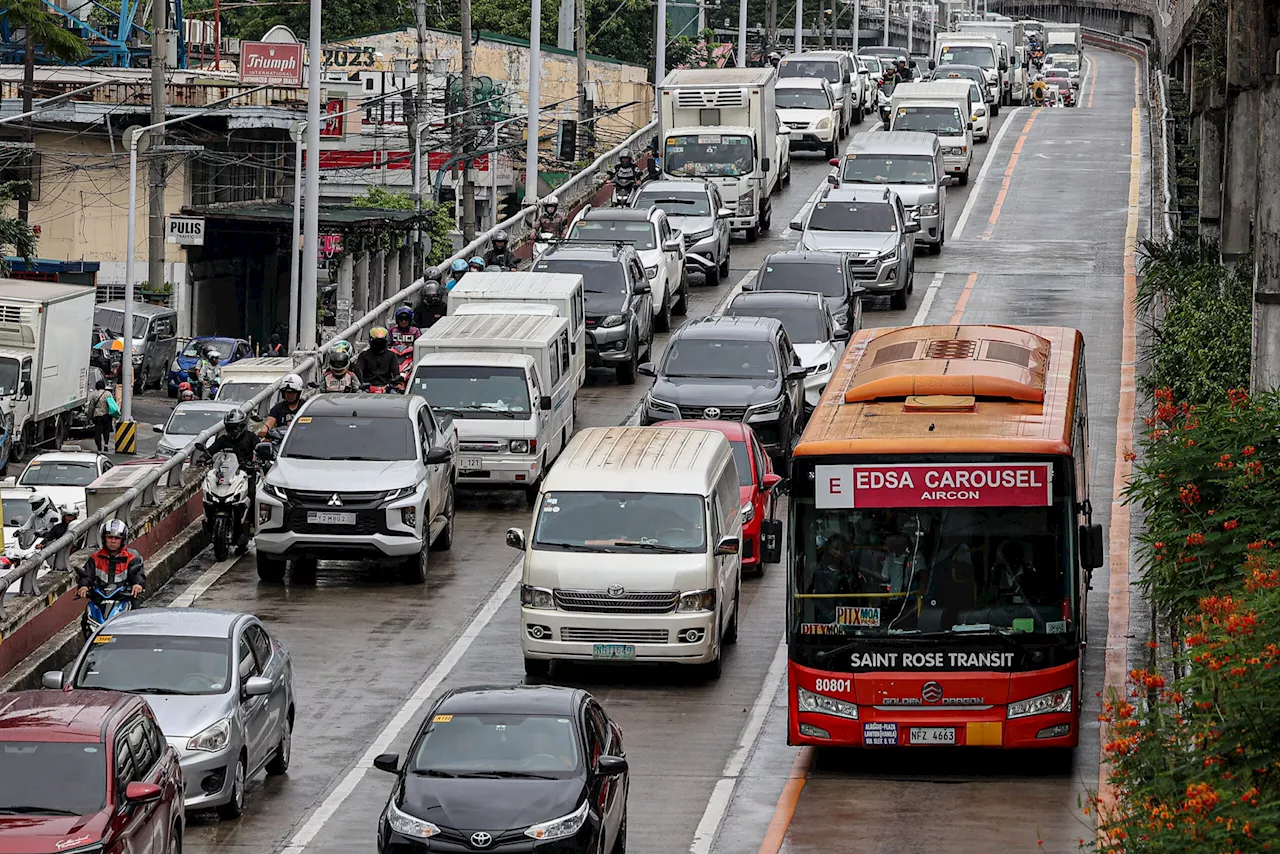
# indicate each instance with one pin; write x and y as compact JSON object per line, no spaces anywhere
{"x":731,"y":369}
{"x":870,"y":227}
{"x":694,"y":207}
{"x":358,"y":476}
{"x":619,"y":302}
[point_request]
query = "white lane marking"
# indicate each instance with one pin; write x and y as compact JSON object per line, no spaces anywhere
{"x":927,"y":302}
{"x":722,"y":794}
{"x":201,"y":585}
{"x":403,"y":716}
{"x":976,"y":188}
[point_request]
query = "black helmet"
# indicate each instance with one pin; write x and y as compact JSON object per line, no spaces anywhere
{"x":339,"y":362}
{"x":235,"y":421}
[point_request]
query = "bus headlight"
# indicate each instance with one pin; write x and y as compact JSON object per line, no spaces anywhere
{"x":808,"y":701}
{"x":1054,"y":701}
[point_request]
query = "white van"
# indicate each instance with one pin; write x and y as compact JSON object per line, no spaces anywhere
{"x":514,"y":416}
{"x":634,"y":551}
{"x":244,"y":380}
{"x":564,"y":291}
{"x":943,"y":108}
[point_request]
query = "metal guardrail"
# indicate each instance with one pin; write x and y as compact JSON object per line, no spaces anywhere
{"x":516,"y":223}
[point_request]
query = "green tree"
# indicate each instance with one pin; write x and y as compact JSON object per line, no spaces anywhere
{"x":14,"y":233}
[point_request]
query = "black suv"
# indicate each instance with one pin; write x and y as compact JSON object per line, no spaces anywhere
{"x":619,"y":302}
{"x":731,"y":369}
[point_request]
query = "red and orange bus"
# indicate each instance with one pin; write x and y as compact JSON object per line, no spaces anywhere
{"x":941,"y":542}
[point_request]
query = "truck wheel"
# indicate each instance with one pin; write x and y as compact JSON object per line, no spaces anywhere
{"x":898,"y":299}
{"x":444,"y":540}
{"x":414,"y":568}
{"x":270,"y":568}
{"x":753,"y":234}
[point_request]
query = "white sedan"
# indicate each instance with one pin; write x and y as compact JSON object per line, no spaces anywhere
{"x":63,"y":475}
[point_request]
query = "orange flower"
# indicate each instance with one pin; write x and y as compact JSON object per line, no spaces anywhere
{"x":1230,"y":524}
{"x":1196,"y":539}
{"x":1248,"y":450}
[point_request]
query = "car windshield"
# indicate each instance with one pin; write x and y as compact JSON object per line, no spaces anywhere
{"x":621,"y":522}
{"x":820,"y":69}
{"x":944,"y":121}
{"x":58,"y":473}
{"x":877,"y":570}
{"x":852,"y":216}
{"x":601,"y":277}
{"x":802,"y":99}
{"x":349,"y":437}
{"x":17,"y":509}
{"x":978,"y":55}
{"x":8,"y":377}
{"x":742,"y":461}
{"x":196,"y":347}
{"x":727,"y":359}
{"x":803,"y":326}
{"x":156,"y":664}
{"x":500,"y":745}
{"x":474,"y":391}
{"x":1068,"y":63}
{"x":638,"y":233}
{"x":677,"y":204}
{"x":823,"y":277}
{"x":190,"y":420}
{"x":887,"y":169}
{"x":1057,"y":74}
{"x":872,"y":63}
{"x":112,"y":320}
{"x":51,"y":778}
{"x":709,"y":154}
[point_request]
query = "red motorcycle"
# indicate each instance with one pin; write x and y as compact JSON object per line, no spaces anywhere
{"x":403,"y":351}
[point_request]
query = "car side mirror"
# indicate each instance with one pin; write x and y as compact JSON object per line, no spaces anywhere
{"x":728,"y":545}
{"x":52,"y":679}
{"x":911,"y":227}
{"x":947,"y":181}
{"x":770,"y":481}
{"x":544,"y":403}
{"x":515,"y":538}
{"x":671,"y":246}
{"x":1091,"y":546}
{"x":611,"y":766}
{"x":764,"y":161}
{"x":796,"y":373}
{"x":646,"y":369}
{"x":797,"y":225}
{"x":264,"y":452}
{"x":26,"y":388}
{"x":141,"y":793}
{"x":438,"y":454}
{"x":258,"y":686}
{"x":643,"y":288}
{"x":389,"y":762}
{"x":724,"y":213}
{"x":833,"y":180}
{"x":157,"y":428}
{"x":842,"y":335}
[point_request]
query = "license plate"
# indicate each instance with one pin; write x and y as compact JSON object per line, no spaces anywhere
{"x":613,"y":651}
{"x":318,"y":517}
{"x":933,"y":735}
{"x":472,"y":463}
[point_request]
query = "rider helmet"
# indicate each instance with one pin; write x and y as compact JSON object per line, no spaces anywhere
{"x":341,"y":346}
{"x":459,"y":266}
{"x":69,"y":512}
{"x":625,"y":154}
{"x":213,"y":355}
{"x":404,"y":313}
{"x":339,"y":362}
{"x":293,"y":382}
{"x":500,"y":238}
{"x":40,"y":503}
{"x":184,"y":386}
{"x":113,"y":528}
{"x":477,"y":264}
{"x":235,"y":421}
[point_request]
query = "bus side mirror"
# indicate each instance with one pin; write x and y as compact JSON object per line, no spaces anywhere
{"x":1091,"y":546}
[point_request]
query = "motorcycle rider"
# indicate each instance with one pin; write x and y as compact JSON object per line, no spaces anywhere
{"x":499,"y":255}
{"x":241,"y":441}
{"x":339,"y":379}
{"x":476,"y":264}
{"x":377,"y":366}
{"x":431,"y":307}
{"x":550,"y":220}
{"x":185,"y":392}
{"x":404,"y":332}
{"x":626,"y":175}
{"x":905,"y":73}
{"x":113,"y":563}
{"x":775,"y":58}
{"x":456,"y":271}
{"x":1038,"y":88}
{"x":59,"y":560}
{"x":290,"y":402}
{"x":44,"y":516}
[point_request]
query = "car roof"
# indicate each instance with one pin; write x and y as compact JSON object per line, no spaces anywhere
{"x":360,"y":405}
{"x":779,"y":299}
{"x":803,"y":83}
{"x":799,"y":257}
{"x":584,"y":251}
{"x":640,"y":459}
{"x":218,"y":405}
{"x":893,"y":142}
{"x":624,"y":214}
{"x":47,"y":715}
{"x":526,"y":699}
{"x":179,"y":622}
{"x":731,"y":328}
{"x":66,"y":457}
{"x":655,"y":187}
{"x":858,"y":193}
{"x":734,"y":431}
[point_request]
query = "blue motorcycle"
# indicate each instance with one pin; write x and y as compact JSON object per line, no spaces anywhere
{"x":104,"y":604}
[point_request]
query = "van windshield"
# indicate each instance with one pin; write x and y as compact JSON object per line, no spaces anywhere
{"x":708,"y":155}
{"x":112,"y":320}
{"x":8,"y":377}
{"x":803,"y":99}
{"x":979,"y":55}
{"x":239,"y":392}
{"x":944,"y":121}
{"x":634,"y":522}
{"x":828,"y":70}
{"x":474,"y":391}
{"x":887,"y":169}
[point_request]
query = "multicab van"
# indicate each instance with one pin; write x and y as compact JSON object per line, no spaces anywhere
{"x":943,"y":108}
{"x":507,"y":381}
{"x":910,"y":164}
{"x":634,"y":551}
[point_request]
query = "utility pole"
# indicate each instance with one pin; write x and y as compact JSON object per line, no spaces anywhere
{"x":660,"y":42}
{"x":155,"y":188}
{"x":584,"y":110}
{"x":799,"y":26}
{"x":468,"y":122}
{"x":886,"y":23}
{"x":311,"y":200}
{"x":771,"y":25}
{"x":535,"y":101}
{"x":742,"y":33}
{"x":835,"y":17}
{"x":857,"y":23}
{"x":419,"y":111}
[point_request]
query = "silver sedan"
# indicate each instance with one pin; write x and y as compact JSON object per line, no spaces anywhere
{"x":220,"y":685}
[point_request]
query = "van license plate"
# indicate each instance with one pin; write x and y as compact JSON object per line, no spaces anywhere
{"x":933,"y":735}
{"x":472,"y":463}
{"x":319,"y":517}
{"x":614,"y":651}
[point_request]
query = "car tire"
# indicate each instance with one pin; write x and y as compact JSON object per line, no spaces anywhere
{"x":898,"y":300}
{"x":911,"y":278}
{"x":413,"y":570}
{"x":681,"y":308}
{"x":444,"y":540}
{"x":662,"y":320}
{"x":279,"y":763}
{"x":964,"y":177}
{"x":712,"y":669}
{"x":724,"y":265}
{"x":175,"y":840}
{"x":753,"y":234}
{"x":626,"y":371}
{"x":537,"y":668}
{"x":620,"y":844}
{"x":711,"y":277}
{"x":858,"y":115}
{"x":531,"y":493}
{"x":234,"y":808}
{"x":271,"y":568}
{"x":731,"y":630}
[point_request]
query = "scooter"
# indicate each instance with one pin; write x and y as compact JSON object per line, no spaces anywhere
{"x":105,"y":603}
{"x":15,"y":554}
{"x":226,"y":505}
{"x":622,"y":196}
{"x":543,"y":243}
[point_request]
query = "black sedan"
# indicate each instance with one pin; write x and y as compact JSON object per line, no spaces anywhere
{"x":523,"y":769}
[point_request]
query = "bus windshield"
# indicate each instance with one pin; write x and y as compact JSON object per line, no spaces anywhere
{"x":987,"y":548}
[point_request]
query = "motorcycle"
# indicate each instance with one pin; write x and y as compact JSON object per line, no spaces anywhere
{"x":227,"y":505}
{"x":15,"y":554}
{"x":105,"y":603}
{"x":623,"y":194}
{"x":403,"y":351}
{"x":543,"y":243}
{"x":377,"y":389}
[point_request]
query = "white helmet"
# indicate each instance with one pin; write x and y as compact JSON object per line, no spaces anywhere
{"x":292,"y":382}
{"x":69,"y":510}
{"x":551,"y":201}
{"x":40,"y":503}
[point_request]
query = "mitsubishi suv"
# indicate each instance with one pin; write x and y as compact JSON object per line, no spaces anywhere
{"x":870,"y":227}
{"x":731,"y":369}
{"x":358,"y":476}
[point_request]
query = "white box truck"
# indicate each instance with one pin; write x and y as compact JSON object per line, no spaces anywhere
{"x":1013,"y":37}
{"x":722,"y":124}
{"x":243,"y":380}
{"x":1064,"y":38}
{"x":974,"y":49}
{"x":943,"y":108}
{"x":45,"y":331}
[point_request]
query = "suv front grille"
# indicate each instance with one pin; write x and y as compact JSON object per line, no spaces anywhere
{"x":600,"y":602}
{"x":304,"y":496}
{"x":727,"y":413}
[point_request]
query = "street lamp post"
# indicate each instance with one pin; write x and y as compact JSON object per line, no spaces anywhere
{"x":886,"y":23}
{"x":311,"y":213}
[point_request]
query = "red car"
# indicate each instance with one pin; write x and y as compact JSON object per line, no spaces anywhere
{"x":86,"y":773}
{"x":756,"y":481}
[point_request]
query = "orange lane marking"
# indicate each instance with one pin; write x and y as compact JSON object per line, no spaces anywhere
{"x":1116,"y":658}
{"x":1008,"y":176}
{"x":787,"y":801}
{"x":958,"y":313}
{"x":1093,"y":81}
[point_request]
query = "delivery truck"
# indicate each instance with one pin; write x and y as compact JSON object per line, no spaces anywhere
{"x":978,"y":49}
{"x":1064,"y":38}
{"x":1013,"y":37}
{"x":45,"y":331}
{"x":721,"y":124}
